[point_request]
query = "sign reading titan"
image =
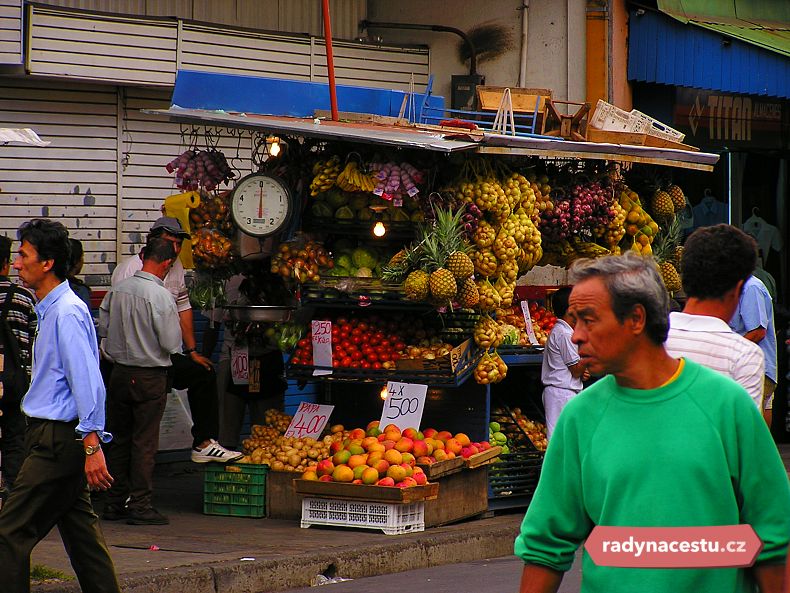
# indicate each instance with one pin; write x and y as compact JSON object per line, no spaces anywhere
{"x":720,"y":118}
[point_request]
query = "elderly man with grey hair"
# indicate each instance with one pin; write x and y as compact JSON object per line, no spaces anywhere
{"x":657,"y":442}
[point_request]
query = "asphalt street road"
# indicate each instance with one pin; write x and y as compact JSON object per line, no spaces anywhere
{"x":500,"y":575}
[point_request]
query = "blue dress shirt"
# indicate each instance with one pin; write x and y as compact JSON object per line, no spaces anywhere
{"x":66,"y":383}
{"x":755,"y":310}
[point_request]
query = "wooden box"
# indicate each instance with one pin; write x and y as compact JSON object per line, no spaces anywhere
{"x":280,"y":500}
{"x":348,"y":491}
{"x":462,"y":495}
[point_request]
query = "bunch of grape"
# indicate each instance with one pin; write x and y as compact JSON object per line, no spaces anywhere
{"x":591,"y":206}
{"x":206,"y":169}
{"x":555,"y":222}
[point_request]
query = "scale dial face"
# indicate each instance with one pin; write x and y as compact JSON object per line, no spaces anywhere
{"x":261,"y":205}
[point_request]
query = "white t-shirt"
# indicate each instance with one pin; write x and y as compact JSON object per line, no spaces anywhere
{"x":174,"y":281}
{"x":560,"y":353}
{"x":710,"y":342}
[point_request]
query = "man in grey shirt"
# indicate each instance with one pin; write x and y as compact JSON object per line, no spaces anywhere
{"x":140,"y":321}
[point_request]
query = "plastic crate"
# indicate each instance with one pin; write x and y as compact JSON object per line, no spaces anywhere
{"x":515,"y":474}
{"x":237,"y":492}
{"x":391,"y":518}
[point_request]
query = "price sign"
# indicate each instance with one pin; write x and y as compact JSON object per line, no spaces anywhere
{"x":240,"y":365}
{"x":528,"y":320}
{"x":322,"y":346}
{"x":309,"y":420}
{"x":403,"y":405}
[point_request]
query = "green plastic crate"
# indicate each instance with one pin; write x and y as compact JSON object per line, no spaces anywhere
{"x":236,"y":492}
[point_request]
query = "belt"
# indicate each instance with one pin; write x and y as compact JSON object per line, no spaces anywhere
{"x":36,"y":421}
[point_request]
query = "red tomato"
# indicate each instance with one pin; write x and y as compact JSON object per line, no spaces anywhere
{"x":303,"y":343}
{"x":365,"y":364}
{"x":395,"y":356}
{"x":356,"y":364}
{"x":341,"y":321}
{"x":377,"y":365}
{"x":347,"y":362}
{"x":356,"y":355}
{"x":399,"y":346}
{"x":363,"y":326}
{"x":373,"y":357}
{"x":378,"y":337}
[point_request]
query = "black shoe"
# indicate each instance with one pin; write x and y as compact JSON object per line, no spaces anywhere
{"x":114,"y":512}
{"x":148,"y":517}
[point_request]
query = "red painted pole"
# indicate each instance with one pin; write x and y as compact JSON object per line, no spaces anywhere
{"x":330,"y":61}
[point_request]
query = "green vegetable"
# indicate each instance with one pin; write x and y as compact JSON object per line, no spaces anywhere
{"x":344,"y":213}
{"x":364,"y":257}
{"x":343,"y":261}
{"x":336,"y":198}
{"x":321,"y":210}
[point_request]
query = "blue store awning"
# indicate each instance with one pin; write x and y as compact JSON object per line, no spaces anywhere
{"x":665,"y":51}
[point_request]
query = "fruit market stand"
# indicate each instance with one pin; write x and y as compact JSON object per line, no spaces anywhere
{"x":402,"y":249}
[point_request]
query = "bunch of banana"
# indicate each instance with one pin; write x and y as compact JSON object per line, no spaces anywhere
{"x":325,"y":174}
{"x":559,"y":253}
{"x":351,"y":179}
{"x":588,"y":249}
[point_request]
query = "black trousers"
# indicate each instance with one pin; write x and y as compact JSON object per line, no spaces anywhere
{"x":201,"y":386}
{"x":136,"y":401}
{"x":12,"y":443}
{"x":51,"y":489}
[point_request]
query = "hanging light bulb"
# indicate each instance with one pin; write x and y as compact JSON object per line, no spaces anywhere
{"x":274,"y":145}
{"x":383,"y":392}
{"x":379,"y":229}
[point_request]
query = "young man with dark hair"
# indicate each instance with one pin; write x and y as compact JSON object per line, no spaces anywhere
{"x":562,"y":373}
{"x":17,"y":318}
{"x":141,"y":320}
{"x":717,"y":260}
{"x":65,"y":426}
{"x":660,"y":442}
{"x":191,"y":370}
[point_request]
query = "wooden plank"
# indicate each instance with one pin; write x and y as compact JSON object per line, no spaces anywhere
{"x":657,"y":142}
{"x":612,"y":137}
{"x":483,"y":457}
{"x":442,"y":468}
{"x":461,"y":496}
{"x":348,"y":491}
{"x":280,"y":500}
{"x":523,"y":99}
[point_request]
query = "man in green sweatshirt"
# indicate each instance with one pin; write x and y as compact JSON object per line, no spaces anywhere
{"x":659,"y":442}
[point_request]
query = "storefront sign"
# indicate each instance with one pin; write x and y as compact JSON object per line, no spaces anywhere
{"x":403,"y":405}
{"x":309,"y":420}
{"x":322,"y":346}
{"x":239,"y":365}
{"x":710,"y":118}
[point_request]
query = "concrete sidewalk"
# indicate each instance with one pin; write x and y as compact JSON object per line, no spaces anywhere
{"x":211,"y":554}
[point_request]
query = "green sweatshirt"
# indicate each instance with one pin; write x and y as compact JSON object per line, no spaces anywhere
{"x":693,"y":453}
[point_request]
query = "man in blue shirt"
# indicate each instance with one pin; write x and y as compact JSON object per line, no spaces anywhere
{"x":65,"y":409}
{"x":754,"y":320}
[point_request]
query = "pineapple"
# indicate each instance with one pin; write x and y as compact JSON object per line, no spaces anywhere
{"x":460,"y":265}
{"x":442,"y":285}
{"x":416,"y":285}
{"x":468,"y":295}
{"x":662,"y":205}
{"x":665,"y":247}
{"x":678,"y":198}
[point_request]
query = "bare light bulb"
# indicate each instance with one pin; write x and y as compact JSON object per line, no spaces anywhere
{"x":379,"y":229}
{"x":384,"y":393}
{"x":274,"y":149}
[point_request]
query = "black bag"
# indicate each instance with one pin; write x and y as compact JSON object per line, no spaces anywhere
{"x":14,"y":377}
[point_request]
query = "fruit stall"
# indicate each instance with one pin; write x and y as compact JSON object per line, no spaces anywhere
{"x":390,"y":266}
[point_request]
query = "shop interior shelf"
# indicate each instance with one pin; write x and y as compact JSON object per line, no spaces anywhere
{"x":346,"y":291}
{"x":521,"y":355}
{"x":517,"y":437}
{"x":515,"y":475}
{"x":395,"y":230}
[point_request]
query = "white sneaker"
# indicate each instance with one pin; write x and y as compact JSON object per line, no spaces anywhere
{"x":215,"y":452}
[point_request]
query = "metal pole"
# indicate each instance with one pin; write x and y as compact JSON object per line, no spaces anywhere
{"x":330,"y":61}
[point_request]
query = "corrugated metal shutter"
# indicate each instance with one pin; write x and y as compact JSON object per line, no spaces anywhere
{"x":10,"y":32}
{"x":149,"y":142}
{"x":73,"y":180}
{"x":100,"y":47}
{"x":379,"y":67}
{"x":211,"y":49}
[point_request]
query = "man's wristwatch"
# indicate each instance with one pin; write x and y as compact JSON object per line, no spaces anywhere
{"x":90,"y":450}
{"x":190,"y":350}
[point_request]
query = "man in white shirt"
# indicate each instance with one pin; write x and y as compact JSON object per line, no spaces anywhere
{"x":717,"y":261}
{"x":190,"y":370}
{"x":562,"y":372}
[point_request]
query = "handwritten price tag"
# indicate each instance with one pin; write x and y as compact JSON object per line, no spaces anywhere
{"x":309,"y":420}
{"x":322,"y":346}
{"x":240,"y":365}
{"x":528,"y":320}
{"x":404,"y":404}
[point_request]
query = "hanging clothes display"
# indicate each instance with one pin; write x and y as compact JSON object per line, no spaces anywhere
{"x":766,"y":235}
{"x":709,"y":211}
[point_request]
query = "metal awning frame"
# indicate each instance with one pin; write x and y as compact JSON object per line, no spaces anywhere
{"x":441,"y":141}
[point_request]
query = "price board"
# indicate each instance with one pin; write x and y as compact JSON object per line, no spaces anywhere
{"x":309,"y":420}
{"x":403,"y":405}
{"x":322,"y":346}
{"x":240,"y":365}
{"x":528,"y":320}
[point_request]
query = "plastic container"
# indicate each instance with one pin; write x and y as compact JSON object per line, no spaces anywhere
{"x":235,"y":490}
{"x":391,"y":518}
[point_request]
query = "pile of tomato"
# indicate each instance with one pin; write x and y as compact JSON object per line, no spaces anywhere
{"x":371,"y":343}
{"x":542,"y":316}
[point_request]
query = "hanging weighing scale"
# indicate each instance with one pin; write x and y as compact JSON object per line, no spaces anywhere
{"x":261,"y":205}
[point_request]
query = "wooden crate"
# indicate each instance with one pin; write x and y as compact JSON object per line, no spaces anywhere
{"x":615,"y":137}
{"x":280,"y":500}
{"x":348,"y":491}
{"x":483,"y":457}
{"x":442,"y":468}
{"x":461,"y":495}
